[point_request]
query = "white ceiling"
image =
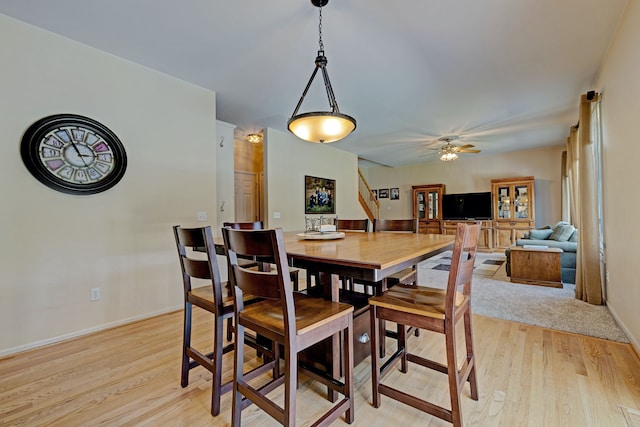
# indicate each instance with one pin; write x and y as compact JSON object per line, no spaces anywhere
{"x":503,"y":74}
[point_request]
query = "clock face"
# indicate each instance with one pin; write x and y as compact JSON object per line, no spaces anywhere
{"x":73,"y":154}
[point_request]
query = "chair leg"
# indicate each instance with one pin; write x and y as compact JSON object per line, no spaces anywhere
{"x":229,"y":329}
{"x":347,"y":345}
{"x":186,"y":343}
{"x":375,"y":360}
{"x":382,"y":329}
{"x":453,"y":374}
{"x":471,"y":358}
{"x":402,"y":343}
{"x":217,"y":367}
{"x":290,"y":385}
{"x":276,"y":357}
{"x":238,"y":366}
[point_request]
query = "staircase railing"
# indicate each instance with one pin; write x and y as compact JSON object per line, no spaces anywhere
{"x":367,"y":199}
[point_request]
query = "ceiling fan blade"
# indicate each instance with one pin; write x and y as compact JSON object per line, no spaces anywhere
{"x":462,"y":150}
{"x":466,"y":146}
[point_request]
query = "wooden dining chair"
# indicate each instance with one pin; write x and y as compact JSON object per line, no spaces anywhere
{"x":259,"y":225}
{"x":352,"y":225}
{"x":198,"y":263}
{"x":437,"y":310}
{"x":406,"y":276}
{"x":342,"y":225}
{"x":290,"y":319}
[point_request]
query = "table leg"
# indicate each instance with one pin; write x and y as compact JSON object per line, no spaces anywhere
{"x":331,"y":290}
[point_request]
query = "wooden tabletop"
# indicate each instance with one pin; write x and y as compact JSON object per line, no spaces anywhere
{"x":368,"y":256}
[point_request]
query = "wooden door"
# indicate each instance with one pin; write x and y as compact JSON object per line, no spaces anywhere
{"x":246,"y":197}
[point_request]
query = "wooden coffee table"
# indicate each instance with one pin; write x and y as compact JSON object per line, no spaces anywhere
{"x":536,"y":266}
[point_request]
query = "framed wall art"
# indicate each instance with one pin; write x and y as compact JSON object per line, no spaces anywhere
{"x":319,"y":195}
{"x":395,"y":194}
{"x":383,"y":193}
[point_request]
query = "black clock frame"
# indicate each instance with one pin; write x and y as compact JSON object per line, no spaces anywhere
{"x":29,"y":150}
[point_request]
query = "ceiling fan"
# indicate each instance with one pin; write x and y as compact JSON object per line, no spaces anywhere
{"x":449,"y":152}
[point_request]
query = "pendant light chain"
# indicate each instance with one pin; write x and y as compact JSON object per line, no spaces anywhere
{"x":321,"y":126}
{"x":320,"y":31}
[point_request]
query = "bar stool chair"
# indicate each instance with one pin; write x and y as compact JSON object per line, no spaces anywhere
{"x":290,"y":319}
{"x":437,"y":310}
{"x":259,"y":225}
{"x":342,"y":225}
{"x":198,"y":263}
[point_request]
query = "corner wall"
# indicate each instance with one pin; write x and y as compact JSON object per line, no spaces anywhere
{"x":620,"y":90}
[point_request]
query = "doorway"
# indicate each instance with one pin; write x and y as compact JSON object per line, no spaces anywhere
{"x":248,"y":179}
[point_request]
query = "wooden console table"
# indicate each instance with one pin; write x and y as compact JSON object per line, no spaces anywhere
{"x":536,"y":266}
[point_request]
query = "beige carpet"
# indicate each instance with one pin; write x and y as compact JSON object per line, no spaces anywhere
{"x":494,"y":295}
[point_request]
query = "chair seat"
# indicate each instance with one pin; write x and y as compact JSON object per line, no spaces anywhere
{"x":311,"y":313}
{"x":203,"y":297}
{"x":420,"y":300}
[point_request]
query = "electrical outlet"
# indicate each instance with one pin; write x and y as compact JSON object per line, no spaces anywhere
{"x":202,"y":216}
{"x":95,"y":294}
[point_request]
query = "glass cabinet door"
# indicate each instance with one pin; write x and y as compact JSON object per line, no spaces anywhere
{"x":433,"y":205}
{"x":504,"y":202}
{"x":521,"y":202}
{"x":421,"y":204}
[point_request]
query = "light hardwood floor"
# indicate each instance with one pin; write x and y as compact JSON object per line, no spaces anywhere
{"x":528,"y":376}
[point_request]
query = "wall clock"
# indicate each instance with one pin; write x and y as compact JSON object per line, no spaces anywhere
{"x":73,"y":154}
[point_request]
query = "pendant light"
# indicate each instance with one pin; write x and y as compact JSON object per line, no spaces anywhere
{"x":321,"y":126}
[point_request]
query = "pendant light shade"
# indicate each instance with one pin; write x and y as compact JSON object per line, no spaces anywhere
{"x":321,"y":126}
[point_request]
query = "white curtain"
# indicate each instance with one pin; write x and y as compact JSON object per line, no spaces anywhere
{"x":583,"y":176}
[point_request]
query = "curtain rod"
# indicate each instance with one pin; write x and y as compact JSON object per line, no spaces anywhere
{"x":590,"y":95}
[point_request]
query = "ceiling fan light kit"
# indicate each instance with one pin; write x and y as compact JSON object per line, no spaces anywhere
{"x":321,"y":126}
{"x":448,"y":152}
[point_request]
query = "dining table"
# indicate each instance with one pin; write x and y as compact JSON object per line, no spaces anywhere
{"x":367,"y":256}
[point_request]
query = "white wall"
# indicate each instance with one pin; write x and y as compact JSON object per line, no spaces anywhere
{"x":287,"y":160}
{"x":620,"y":87}
{"x":225,"y":191}
{"x":55,"y":247}
{"x":471,"y":174}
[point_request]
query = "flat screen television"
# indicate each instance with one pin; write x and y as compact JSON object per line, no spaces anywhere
{"x":466,"y":206}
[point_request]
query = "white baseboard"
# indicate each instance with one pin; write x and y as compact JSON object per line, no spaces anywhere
{"x":60,"y":338}
{"x":634,"y":340}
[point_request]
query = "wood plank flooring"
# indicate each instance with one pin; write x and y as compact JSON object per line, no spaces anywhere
{"x":130,"y":375}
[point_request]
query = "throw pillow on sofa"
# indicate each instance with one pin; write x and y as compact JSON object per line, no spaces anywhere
{"x":574,"y":236}
{"x":562,"y":232}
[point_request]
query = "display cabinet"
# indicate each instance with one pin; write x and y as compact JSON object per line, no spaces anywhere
{"x":427,"y":207}
{"x":485,"y":240}
{"x":513,"y":209}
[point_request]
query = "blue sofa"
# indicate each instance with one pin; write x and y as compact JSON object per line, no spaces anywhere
{"x":562,"y":235}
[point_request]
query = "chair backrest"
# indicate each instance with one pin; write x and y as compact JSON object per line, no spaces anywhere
{"x":274,"y":284}
{"x":401,"y":225}
{"x":193,"y":244}
{"x":255,"y":225}
{"x":462,"y":262}
{"x":353,"y":224}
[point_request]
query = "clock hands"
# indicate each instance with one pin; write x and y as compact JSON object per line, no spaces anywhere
{"x":82,"y":156}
